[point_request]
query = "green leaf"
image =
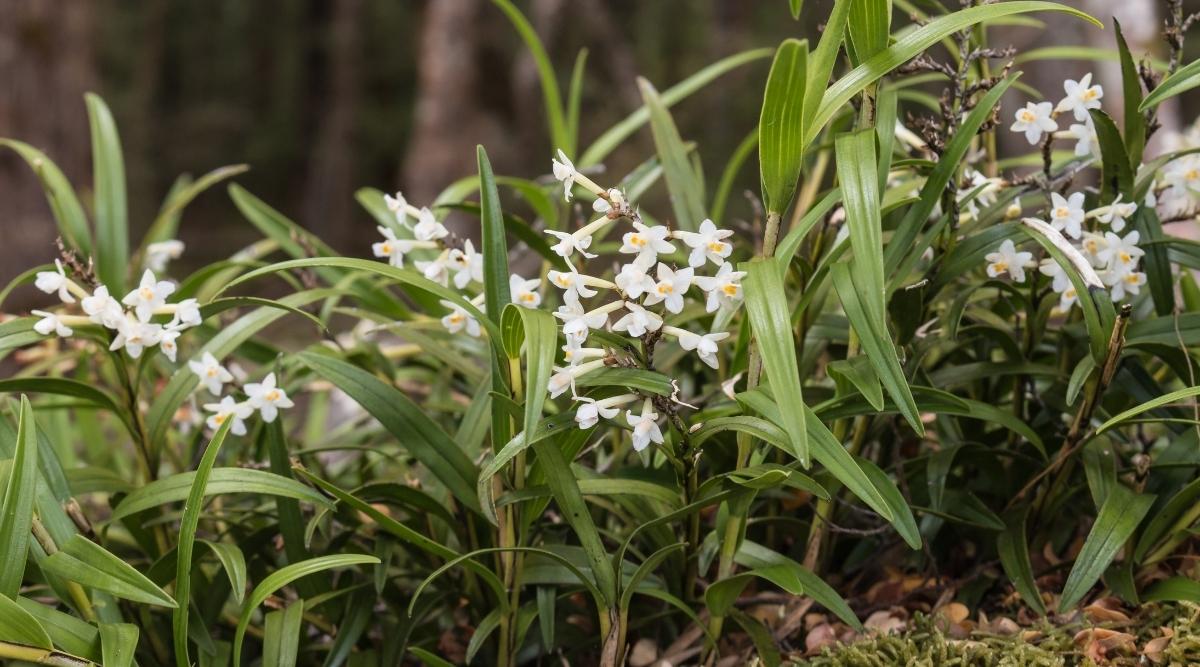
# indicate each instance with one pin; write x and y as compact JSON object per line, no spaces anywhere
{"x":1083,"y":278}
{"x":1119,"y":516}
{"x":687,"y":197}
{"x":16,"y":512}
{"x":820,"y":67}
{"x":856,"y":168}
{"x":1014,"y":558}
{"x":904,"y":522}
{"x":112,"y":216}
{"x":781,"y":126}
{"x":64,"y":205}
{"x":786,"y":570}
{"x":281,"y":635}
{"x":284,"y":576}
{"x":1160,"y":401}
{"x":551,"y":97}
{"x":911,"y":44}
{"x":83,"y":561}
{"x":770,"y":320}
{"x":1117,"y":172}
{"x":903,"y":240}
{"x":17,"y":625}
{"x":617,"y":134}
{"x":647,"y":566}
{"x":118,"y":641}
{"x":876,"y":342}
{"x":869,"y":25}
{"x":223,"y":480}
{"x":790,"y":243}
{"x":414,"y":430}
{"x":716,"y":211}
{"x":68,"y":633}
{"x":187,"y":541}
{"x":761,"y":637}
{"x":233,"y":562}
{"x":795,"y":6}
{"x":1184,"y":79}
{"x":1131,"y":95}
{"x":495,"y":246}
{"x":1173,"y":589}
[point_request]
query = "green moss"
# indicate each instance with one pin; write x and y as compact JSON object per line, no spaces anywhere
{"x":923,"y":645}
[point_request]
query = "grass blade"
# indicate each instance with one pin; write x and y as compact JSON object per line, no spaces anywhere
{"x":1014,"y":558}
{"x":281,"y":635}
{"x":83,"y":561}
{"x":118,"y":643}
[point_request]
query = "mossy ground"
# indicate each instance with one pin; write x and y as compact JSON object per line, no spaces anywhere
{"x":925,"y":645}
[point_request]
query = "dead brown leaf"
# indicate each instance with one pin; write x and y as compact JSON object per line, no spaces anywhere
{"x":1153,"y":651}
{"x":1100,"y":644}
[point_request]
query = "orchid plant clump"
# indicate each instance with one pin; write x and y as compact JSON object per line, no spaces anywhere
{"x":937,"y":361}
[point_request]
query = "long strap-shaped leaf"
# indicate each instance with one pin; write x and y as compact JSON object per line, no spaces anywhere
{"x":687,"y":196}
{"x":413,"y":429}
{"x":283,"y":577}
{"x":16,"y":511}
{"x":770,"y":319}
{"x":781,"y":125}
{"x":1119,"y":516}
{"x":877,"y":342}
{"x":187,"y":542}
{"x":908,"y":46}
{"x":112,"y":216}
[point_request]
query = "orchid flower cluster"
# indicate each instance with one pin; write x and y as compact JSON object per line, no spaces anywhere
{"x":1095,"y":233}
{"x":132,"y":318}
{"x":266,"y":397}
{"x":461,"y":264}
{"x":645,"y":291}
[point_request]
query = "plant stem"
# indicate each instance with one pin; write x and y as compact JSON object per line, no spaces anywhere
{"x":40,"y":656}
{"x":82,"y":602}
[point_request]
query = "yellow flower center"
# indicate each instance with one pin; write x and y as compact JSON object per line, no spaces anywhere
{"x":665,"y":288}
{"x":1027,"y":116}
{"x":1131,"y":279}
{"x":563,"y":280}
{"x":272,"y":395}
{"x":387,"y":248}
{"x":637,"y":240}
{"x":1089,"y":95}
{"x":729,"y":289}
{"x":1124,"y":257}
{"x":220,"y":419}
{"x":716,"y":247}
{"x":1062,"y":212}
{"x":212,"y":372}
{"x":1000,"y":266}
{"x":528,"y":297}
{"x":455,"y":318}
{"x":1192,"y":174}
{"x":146,"y":294}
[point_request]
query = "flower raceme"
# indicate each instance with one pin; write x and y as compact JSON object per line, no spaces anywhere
{"x":656,"y":271}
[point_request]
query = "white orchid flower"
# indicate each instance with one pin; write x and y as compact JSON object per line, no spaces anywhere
{"x":525,"y":292}
{"x":638,"y":321}
{"x":1081,"y":96}
{"x":724,"y":288}
{"x":1033,"y":120}
{"x":466,"y":264}
{"x":103,"y":309}
{"x":589,"y":412}
{"x":56,"y":281}
{"x":150,"y":294}
{"x":577,"y":322}
{"x":704,"y":345}
{"x":1008,"y":260}
{"x":428,"y":228}
{"x":707,"y":244}
{"x":229,"y":409}
{"x":645,"y":426}
{"x":1066,"y":214}
{"x":564,"y":378}
{"x":267,"y":398}
{"x":646,"y":242}
{"x":670,"y":288}
{"x":458,"y":319}
{"x":51,"y":323}
{"x":159,"y":254}
{"x":211,"y":373}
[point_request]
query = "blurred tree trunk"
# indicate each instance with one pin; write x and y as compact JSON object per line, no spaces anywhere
{"x":449,"y":118}
{"x":46,"y":64}
{"x":329,"y":193}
